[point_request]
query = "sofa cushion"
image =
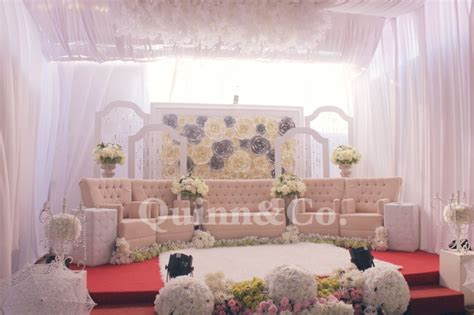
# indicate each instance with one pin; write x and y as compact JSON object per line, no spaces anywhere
{"x":322,"y":192}
{"x":361,"y":221}
{"x":136,"y":228}
{"x":101,"y":191}
{"x":153,"y":188}
{"x":367,"y":191}
{"x":263,"y":219}
{"x":229,"y":194}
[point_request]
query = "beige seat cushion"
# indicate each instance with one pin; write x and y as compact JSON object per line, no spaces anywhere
{"x":318,"y":223}
{"x":137,"y":228}
{"x":360,"y":224}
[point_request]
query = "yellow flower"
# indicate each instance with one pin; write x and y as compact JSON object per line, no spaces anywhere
{"x":272,"y":128}
{"x":215,"y":128}
{"x":201,"y":154}
{"x":202,"y":171}
{"x":239,"y":161}
{"x":262,"y":164}
{"x":244,"y":128}
{"x":170,"y":171}
{"x":170,"y":154}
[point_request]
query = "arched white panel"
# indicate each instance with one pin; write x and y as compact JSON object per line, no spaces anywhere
{"x":306,"y":131}
{"x":141,"y":135}
{"x":116,"y":122}
{"x":337,"y":110}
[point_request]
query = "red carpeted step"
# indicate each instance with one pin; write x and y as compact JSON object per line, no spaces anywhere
{"x":435,"y":300}
{"x":135,"y":309}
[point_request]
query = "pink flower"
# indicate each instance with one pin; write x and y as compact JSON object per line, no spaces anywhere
{"x":231,"y":303}
{"x":358,"y":309}
{"x":284,"y":301}
{"x":297,"y":307}
{"x":272,"y":310}
{"x":306,"y":304}
{"x":248,"y":312}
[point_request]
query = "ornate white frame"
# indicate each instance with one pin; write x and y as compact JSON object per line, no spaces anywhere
{"x":183,"y":146}
{"x":106,"y":110}
{"x":307,"y":131}
{"x":333,"y":109}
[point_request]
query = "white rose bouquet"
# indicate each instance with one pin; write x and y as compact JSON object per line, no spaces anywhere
{"x":457,"y":213}
{"x":190,"y":186}
{"x":288,"y":185}
{"x":109,"y":154}
{"x":63,"y":227}
{"x":345,"y":154}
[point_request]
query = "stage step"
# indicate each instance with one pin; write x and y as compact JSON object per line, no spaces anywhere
{"x":135,"y":309}
{"x":435,"y":300}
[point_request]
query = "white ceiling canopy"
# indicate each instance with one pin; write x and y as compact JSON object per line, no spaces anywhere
{"x":101,"y":30}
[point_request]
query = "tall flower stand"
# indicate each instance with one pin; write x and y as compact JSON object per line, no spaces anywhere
{"x":453,"y":273}
{"x":345,"y":170}
{"x":108,"y":170}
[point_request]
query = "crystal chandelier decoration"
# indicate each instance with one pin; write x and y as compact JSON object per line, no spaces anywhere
{"x":249,"y":27}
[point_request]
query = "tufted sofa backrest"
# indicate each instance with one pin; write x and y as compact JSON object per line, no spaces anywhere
{"x":101,"y":191}
{"x":322,"y":192}
{"x":153,"y":188}
{"x":229,"y":194}
{"x":366,"y":191}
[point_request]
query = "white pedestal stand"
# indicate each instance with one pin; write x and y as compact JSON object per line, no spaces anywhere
{"x":452,"y":273}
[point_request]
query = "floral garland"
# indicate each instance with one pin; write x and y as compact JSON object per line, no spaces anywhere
{"x":203,"y":239}
{"x":288,"y":185}
{"x":290,"y":290}
{"x":109,"y":153}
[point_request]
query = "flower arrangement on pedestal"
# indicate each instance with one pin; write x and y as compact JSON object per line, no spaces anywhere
{"x":459,"y":215}
{"x":108,"y":155}
{"x":345,"y":156}
{"x":190,"y":186}
{"x":288,"y":185}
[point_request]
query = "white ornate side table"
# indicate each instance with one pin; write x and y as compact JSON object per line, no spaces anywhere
{"x":101,"y":235}
{"x":453,"y":273}
{"x":402,"y":221}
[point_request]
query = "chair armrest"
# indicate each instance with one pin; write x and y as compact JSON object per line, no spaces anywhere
{"x":117,"y":207}
{"x":336,"y":205}
{"x":380,"y":203}
{"x":135,"y":211}
{"x":348,"y":206}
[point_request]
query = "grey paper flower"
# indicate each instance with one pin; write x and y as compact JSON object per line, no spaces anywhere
{"x":244,"y":143}
{"x":259,"y":145}
{"x":216,"y":163}
{"x":223,"y":149}
{"x":170,"y":120}
{"x":285,"y":124}
{"x":201,"y":121}
{"x":229,"y":121}
{"x":283,"y":171}
{"x":271,"y":155}
{"x":193,"y":132}
{"x":261,"y":129}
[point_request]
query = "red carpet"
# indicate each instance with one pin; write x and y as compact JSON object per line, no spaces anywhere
{"x":136,"y":285}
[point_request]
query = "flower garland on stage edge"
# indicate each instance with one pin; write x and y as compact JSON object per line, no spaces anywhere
{"x":203,"y":239}
{"x":377,"y":290}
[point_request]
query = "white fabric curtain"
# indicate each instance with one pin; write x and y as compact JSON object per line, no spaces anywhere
{"x":413,"y":113}
{"x":21,"y":68}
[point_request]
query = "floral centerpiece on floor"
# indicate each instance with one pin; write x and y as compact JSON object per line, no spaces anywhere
{"x":345,"y":156}
{"x":190,"y":186}
{"x":288,"y":185}
{"x":108,"y":155}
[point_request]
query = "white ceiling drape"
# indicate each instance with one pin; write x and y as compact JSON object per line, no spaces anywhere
{"x":102,"y":30}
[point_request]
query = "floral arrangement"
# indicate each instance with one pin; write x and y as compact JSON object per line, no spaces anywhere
{"x":184,"y":295}
{"x":109,"y":153}
{"x":203,"y":239}
{"x":228,"y":147}
{"x":250,"y":292}
{"x":288,"y":185}
{"x":63,"y":227}
{"x":386,"y":289}
{"x":122,"y":253}
{"x":190,"y":186}
{"x":219,"y":286}
{"x":291,"y":235}
{"x":380,"y":241}
{"x":458,"y":213}
{"x":292,"y":282}
{"x":345,"y":154}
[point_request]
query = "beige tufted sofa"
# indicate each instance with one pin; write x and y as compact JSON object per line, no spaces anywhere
{"x":140,"y":226}
{"x":239,"y":208}
{"x":346,"y":207}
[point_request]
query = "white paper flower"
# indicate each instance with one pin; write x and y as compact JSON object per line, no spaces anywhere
{"x":184,"y":295}
{"x":293,"y":282}
{"x":386,"y":288}
{"x":203,"y":239}
{"x":63,"y":226}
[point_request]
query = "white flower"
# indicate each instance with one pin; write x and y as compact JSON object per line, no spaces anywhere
{"x":109,"y":154}
{"x":350,"y":277}
{"x":190,"y":185}
{"x":203,"y":239}
{"x":458,"y":213}
{"x":63,"y":226}
{"x":291,"y":235}
{"x":293,"y":282}
{"x":345,"y":154}
{"x":219,"y":286}
{"x":122,"y":253}
{"x":386,"y":288}
{"x":380,"y":241}
{"x":288,"y":185}
{"x":184,"y":295}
